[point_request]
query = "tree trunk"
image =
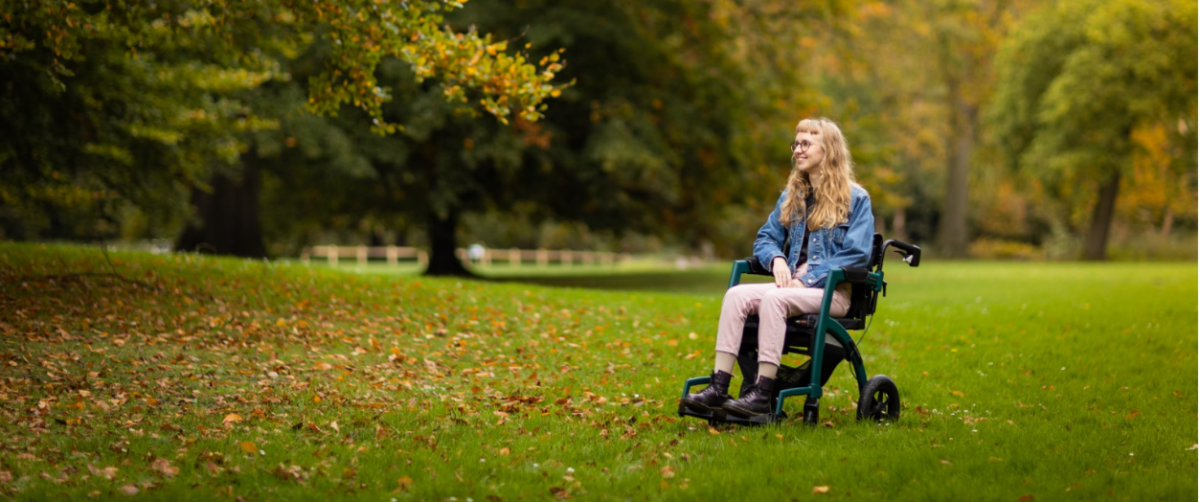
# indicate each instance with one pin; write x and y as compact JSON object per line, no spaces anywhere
{"x":1096,"y":245}
{"x":1168,"y":219}
{"x":229,"y":222}
{"x":953,"y":232}
{"x":443,"y":242}
{"x":899,"y":230}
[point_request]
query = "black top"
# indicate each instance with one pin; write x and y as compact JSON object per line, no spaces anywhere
{"x":808,"y":204}
{"x":804,"y":247}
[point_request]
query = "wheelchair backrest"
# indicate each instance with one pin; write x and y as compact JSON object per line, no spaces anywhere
{"x":863,"y":297}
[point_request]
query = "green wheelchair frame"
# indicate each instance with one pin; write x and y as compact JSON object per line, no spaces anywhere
{"x":878,"y":397}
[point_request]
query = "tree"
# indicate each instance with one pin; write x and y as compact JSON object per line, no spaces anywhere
{"x":1078,"y":81}
{"x":139,"y":100}
{"x":913,"y":78}
{"x":646,"y":140}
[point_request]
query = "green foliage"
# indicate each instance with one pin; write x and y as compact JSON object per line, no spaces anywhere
{"x":218,"y":378}
{"x":141,"y":100}
{"x":1077,"y":79}
{"x":648,"y":139}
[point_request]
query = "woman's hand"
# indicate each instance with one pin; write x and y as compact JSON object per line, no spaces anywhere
{"x":779,"y":268}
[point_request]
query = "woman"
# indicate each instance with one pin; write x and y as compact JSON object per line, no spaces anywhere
{"x":822,"y":221}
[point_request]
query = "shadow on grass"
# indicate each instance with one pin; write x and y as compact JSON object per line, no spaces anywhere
{"x":709,"y":281}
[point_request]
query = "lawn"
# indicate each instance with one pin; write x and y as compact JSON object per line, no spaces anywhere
{"x":195,"y":378}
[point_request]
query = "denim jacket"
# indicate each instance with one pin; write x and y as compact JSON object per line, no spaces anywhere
{"x":845,"y":245}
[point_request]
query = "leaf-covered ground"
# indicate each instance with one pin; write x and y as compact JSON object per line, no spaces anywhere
{"x":188,"y":377}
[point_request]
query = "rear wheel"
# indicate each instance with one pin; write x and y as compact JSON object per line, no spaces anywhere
{"x":880,"y":400}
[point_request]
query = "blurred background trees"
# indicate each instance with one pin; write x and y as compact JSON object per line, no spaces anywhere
{"x":1010,"y":128}
{"x":1092,"y":93}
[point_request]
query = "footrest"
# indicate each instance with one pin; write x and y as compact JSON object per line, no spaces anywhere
{"x":712,"y":417}
{"x":720,"y":417}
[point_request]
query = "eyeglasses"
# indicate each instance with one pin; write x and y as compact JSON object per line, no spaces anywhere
{"x":803,"y":145}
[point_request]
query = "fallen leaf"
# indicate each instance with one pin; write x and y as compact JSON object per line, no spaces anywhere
{"x":820,"y":489}
{"x":333,"y":425}
{"x":667,"y":471}
{"x":405,"y":482}
{"x":1025,"y":498}
{"x":289,"y":472}
{"x":945,"y":462}
{"x":504,"y":452}
{"x":248,"y":447}
{"x":322,"y":365}
{"x":128,"y":490}
{"x":5,"y":477}
{"x":231,"y":419}
{"x":106,"y":473}
{"x":164,"y":466}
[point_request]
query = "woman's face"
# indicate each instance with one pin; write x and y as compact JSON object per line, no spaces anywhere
{"x":807,"y":151}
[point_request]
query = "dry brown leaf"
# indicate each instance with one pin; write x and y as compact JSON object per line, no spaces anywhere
{"x":667,"y":471}
{"x":231,"y":419}
{"x":106,"y":473}
{"x":820,"y":489}
{"x":164,"y":466}
{"x":128,"y":490}
{"x":405,"y":482}
{"x":322,"y":365}
{"x":248,"y":447}
{"x":6,"y":477}
{"x":1025,"y":498}
{"x":504,"y":452}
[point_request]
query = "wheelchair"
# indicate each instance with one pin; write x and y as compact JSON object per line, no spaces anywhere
{"x":879,"y":398}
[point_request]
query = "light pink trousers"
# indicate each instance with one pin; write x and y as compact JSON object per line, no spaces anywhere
{"x":773,"y":306}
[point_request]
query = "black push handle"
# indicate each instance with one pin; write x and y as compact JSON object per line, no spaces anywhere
{"x":911,"y":252}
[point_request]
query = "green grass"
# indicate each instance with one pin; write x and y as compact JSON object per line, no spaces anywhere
{"x":1049,"y":380}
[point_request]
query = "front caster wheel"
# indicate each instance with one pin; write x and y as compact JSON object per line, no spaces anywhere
{"x":812,"y":411}
{"x":880,"y":400}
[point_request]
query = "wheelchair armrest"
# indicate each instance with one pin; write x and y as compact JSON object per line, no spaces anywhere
{"x":747,"y":266}
{"x":756,"y":267}
{"x":856,"y":275}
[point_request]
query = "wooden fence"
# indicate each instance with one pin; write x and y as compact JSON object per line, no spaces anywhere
{"x":513,"y":256}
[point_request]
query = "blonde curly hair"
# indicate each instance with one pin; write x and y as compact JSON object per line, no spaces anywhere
{"x":835,"y":173}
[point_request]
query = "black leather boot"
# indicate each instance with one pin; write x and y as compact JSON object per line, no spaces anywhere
{"x":757,"y":401}
{"x":713,"y":396}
